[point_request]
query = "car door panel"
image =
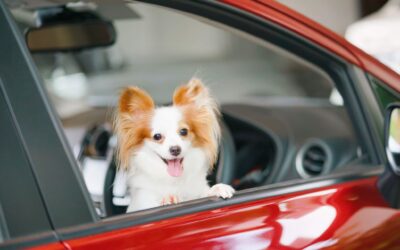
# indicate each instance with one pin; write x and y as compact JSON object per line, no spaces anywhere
{"x":51,"y":246}
{"x":322,"y":217}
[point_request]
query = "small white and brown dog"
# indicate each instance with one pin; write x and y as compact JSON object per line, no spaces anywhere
{"x":168,"y":151}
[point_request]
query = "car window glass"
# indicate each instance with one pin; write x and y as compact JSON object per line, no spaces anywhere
{"x":266,"y":94}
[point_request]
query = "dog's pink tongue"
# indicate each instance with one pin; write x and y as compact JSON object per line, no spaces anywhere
{"x":175,"y":167}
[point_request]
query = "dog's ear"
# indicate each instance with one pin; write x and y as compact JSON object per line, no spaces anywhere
{"x":194,"y":92}
{"x":131,"y":122}
{"x":134,"y":100}
{"x":202,"y":114}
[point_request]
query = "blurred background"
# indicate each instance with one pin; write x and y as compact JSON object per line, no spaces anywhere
{"x":337,"y":15}
{"x":372,"y":25}
{"x":158,"y":49}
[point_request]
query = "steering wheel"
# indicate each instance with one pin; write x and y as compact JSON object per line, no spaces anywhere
{"x":223,"y":172}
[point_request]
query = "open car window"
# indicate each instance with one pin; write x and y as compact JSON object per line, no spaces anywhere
{"x":286,"y":118}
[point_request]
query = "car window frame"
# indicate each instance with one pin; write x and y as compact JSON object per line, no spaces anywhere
{"x":4,"y":235}
{"x":16,"y":165}
{"x":45,"y":145}
{"x":346,"y":71}
{"x":339,"y":70}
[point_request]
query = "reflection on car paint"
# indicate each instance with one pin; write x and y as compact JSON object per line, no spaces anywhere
{"x":341,"y":216}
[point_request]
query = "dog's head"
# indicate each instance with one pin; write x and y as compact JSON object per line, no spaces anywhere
{"x":169,"y":134}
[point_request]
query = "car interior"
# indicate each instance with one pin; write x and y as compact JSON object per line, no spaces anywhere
{"x":282,"y":117}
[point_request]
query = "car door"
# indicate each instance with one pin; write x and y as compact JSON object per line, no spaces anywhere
{"x":342,"y":209}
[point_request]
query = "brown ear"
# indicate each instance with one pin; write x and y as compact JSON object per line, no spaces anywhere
{"x":192,"y":93}
{"x":201,"y":112}
{"x":134,"y":100}
{"x":131,"y":122}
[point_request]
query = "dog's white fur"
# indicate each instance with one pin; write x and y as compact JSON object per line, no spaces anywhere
{"x":149,"y":181}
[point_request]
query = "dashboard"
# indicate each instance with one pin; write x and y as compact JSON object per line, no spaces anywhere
{"x":276,"y":143}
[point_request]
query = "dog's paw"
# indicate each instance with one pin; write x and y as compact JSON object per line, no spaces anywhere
{"x":221,"y":190}
{"x":169,"y":199}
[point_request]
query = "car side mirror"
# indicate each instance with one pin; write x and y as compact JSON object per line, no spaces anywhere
{"x":392,"y":137}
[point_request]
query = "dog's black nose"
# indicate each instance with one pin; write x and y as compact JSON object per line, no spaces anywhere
{"x":175,"y":150}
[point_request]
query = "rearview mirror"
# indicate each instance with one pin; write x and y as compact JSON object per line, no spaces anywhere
{"x":70,"y":36}
{"x":392,"y":135}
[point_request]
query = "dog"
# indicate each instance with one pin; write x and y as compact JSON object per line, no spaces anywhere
{"x":168,"y":151}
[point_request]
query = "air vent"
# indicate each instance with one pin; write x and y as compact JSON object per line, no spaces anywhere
{"x":313,"y":159}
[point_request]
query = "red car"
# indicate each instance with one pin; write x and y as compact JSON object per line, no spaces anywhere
{"x":316,"y":167}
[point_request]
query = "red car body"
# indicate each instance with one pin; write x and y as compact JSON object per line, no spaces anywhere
{"x":346,"y":216}
{"x":349,"y":215}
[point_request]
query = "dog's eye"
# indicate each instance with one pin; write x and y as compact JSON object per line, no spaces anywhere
{"x":183,"y":132}
{"x":157,"y":137}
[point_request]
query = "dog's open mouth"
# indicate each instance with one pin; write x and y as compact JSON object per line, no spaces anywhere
{"x":174,"y":166}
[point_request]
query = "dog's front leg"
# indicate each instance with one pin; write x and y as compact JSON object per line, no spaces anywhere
{"x":221,"y":190}
{"x":143,"y":199}
{"x":169,"y":200}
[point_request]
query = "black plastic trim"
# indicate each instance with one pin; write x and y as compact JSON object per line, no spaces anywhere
{"x":368,"y":113}
{"x":29,"y":241}
{"x":4,"y":234}
{"x":375,"y":115}
{"x":17,"y":233}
